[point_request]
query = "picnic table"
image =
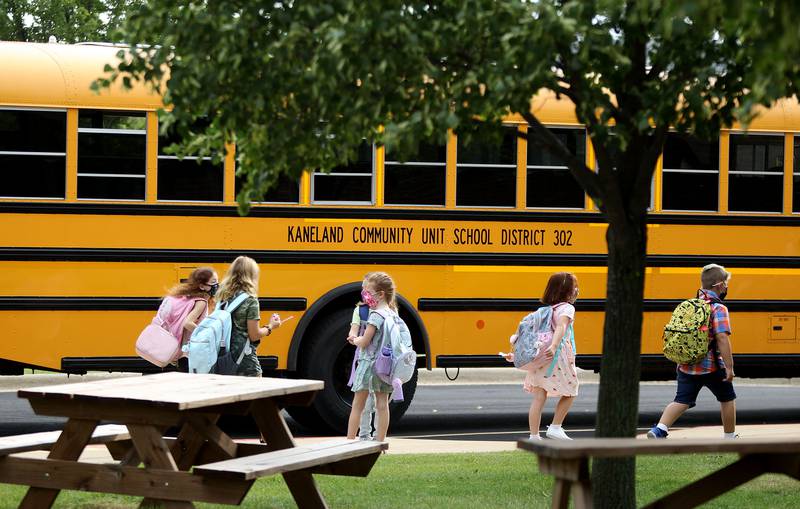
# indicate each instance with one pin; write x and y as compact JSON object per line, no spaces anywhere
{"x":568,"y":462}
{"x":202,"y":463}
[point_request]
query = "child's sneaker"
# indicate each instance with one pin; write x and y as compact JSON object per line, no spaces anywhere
{"x":556,"y":434}
{"x":656,"y":432}
{"x":535,"y":437}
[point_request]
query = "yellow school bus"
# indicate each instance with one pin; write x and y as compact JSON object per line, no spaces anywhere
{"x":98,"y":221}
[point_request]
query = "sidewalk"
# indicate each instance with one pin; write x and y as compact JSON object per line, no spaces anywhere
{"x":438,"y":376}
{"x":483,"y":376}
{"x":99,"y":453}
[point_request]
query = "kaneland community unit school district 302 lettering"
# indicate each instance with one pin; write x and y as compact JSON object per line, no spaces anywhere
{"x":429,"y":235}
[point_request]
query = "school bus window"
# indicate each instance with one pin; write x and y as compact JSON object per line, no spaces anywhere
{"x":192,"y":178}
{"x":33,"y":146}
{"x":550,"y":183}
{"x":351,"y":183}
{"x":756,"y":173}
{"x":420,"y":180}
{"x":111,"y":155}
{"x":796,"y":176}
{"x":285,"y":190}
{"x":612,"y":149}
{"x":690,"y":173}
{"x":486,"y":172}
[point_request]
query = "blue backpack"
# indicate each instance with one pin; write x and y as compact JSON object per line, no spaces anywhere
{"x":212,"y":334}
{"x":526,"y":346}
{"x":396,"y":359}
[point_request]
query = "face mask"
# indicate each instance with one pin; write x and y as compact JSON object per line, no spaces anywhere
{"x":368,"y":299}
{"x":213,"y":290}
{"x":722,"y":294}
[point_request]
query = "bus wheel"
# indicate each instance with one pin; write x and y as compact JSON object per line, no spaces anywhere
{"x":329,"y":357}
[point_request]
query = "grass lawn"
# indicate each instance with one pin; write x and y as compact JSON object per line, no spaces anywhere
{"x":470,"y":481}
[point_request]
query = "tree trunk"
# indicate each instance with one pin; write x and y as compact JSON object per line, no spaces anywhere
{"x":618,"y":401}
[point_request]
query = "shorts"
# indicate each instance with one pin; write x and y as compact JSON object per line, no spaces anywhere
{"x":689,"y":386}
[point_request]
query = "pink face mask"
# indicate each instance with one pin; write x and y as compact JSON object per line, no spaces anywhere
{"x":368,"y":299}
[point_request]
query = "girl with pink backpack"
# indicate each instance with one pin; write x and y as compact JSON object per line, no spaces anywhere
{"x":184,"y":306}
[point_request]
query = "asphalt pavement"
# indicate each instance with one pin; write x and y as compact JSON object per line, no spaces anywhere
{"x":486,"y":410}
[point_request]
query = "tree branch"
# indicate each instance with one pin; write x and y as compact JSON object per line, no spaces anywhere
{"x":612,"y":202}
{"x":566,"y":91}
{"x":586,"y":177}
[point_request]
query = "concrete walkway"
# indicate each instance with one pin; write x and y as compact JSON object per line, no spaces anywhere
{"x":402,"y":445}
{"x":99,"y":453}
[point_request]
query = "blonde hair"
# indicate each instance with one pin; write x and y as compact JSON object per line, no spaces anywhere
{"x":383,"y":282}
{"x":242,"y":276}
{"x":713,"y":274}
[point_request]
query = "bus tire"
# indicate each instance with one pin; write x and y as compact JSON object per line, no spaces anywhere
{"x":328,"y":356}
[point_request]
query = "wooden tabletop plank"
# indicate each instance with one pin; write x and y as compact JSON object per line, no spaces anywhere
{"x":619,"y":447}
{"x":180,"y":391}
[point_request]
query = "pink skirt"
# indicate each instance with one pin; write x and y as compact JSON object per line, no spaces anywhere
{"x":563,"y":381}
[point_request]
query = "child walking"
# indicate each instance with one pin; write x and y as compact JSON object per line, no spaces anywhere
{"x":379,"y":294}
{"x":192,"y":300}
{"x":192,"y":297}
{"x":358,"y":325}
{"x":242,"y":277}
{"x":715,"y":370}
{"x":559,"y":376}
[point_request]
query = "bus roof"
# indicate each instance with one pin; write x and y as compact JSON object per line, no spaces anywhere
{"x":59,"y":76}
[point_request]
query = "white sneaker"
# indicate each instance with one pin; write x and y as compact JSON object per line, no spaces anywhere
{"x":556,"y":434}
{"x":731,"y":438}
{"x":535,"y":437}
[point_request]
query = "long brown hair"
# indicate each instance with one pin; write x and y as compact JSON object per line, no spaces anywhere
{"x":383,"y":282}
{"x":191,"y":287}
{"x":559,"y":288}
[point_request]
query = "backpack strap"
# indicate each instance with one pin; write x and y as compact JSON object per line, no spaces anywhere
{"x":569,"y":331}
{"x":231,"y":306}
{"x":712,"y":343}
{"x":385,"y":316}
{"x":246,"y":350}
{"x":363,"y":312}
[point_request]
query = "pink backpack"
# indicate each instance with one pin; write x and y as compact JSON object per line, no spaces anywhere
{"x":160,"y":342}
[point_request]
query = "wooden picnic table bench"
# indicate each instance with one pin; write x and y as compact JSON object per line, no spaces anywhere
{"x":45,"y":440}
{"x":202,"y":463}
{"x":568,"y":462}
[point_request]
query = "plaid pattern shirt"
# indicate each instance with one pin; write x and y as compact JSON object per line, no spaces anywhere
{"x":720,"y":322}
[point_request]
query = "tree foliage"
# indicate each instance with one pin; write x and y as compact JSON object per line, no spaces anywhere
{"x":298,"y":84}
{"x":68,"y":21}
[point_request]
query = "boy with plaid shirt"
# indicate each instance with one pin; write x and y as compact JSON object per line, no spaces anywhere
{"x":715,"y":371}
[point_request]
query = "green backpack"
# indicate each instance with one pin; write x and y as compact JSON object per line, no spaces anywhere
{"x":686,"y":334}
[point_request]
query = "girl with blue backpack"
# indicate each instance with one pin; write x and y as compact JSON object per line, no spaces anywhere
{"x":358,"y":325}
{"x":557,"y":376}
{"x":379,"y":294}
{"x":242,"y":277}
